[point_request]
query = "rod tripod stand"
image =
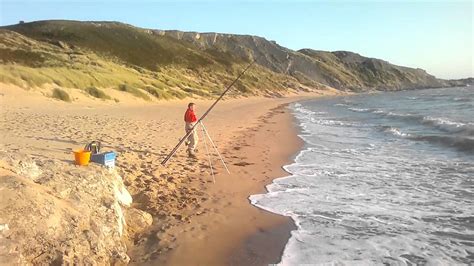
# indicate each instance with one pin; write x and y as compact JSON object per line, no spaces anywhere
{"x":206,"y":137}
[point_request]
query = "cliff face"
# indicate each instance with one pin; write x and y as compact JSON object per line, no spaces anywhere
{"x":347,"y":69}
{"x":164,"y":64}
{"x":461,"y":82}
{"x":341,"y":69}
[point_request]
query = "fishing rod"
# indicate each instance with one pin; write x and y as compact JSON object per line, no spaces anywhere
{"x":168,"y":157}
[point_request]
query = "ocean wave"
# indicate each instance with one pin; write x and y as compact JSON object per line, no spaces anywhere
{"x":405,"y":116}
{"x":395,"y":131}
{"x":361,"y":110}
{"x":329,"y":122}
{"x":464,"y":144}
{"x":303,"y":110}
{"x":374,"y":111}
{"x":462,"y":99}
{"x":375,"y":201}
{"x":440,"y":123}
{"x":460,"y":143}
{"x":305,"y":114}
{"x":449,"y":126}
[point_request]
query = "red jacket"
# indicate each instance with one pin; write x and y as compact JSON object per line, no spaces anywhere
{"x":189,"y":116}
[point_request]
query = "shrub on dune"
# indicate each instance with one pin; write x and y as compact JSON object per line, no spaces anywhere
{"x":94,"y":92}
{"x":134,"y":91}
{"x":61,"y":95}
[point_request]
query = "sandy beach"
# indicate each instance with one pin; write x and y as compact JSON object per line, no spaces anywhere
{"x":348,"y":138}
{"x":252,"y":236}
{"x":212,"y":223}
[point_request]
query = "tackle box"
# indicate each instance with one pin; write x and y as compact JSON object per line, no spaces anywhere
{"x":104,"y":158}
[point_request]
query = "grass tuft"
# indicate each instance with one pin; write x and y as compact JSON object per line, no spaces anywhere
{"x":134,"y":91}
{"x":154,"y":91}
{"x":94,"y":92}
{"x":177,"y":94}
{"x":61,"y":95}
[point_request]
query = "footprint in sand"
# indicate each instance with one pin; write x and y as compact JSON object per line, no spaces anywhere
{"x":243,"y":164}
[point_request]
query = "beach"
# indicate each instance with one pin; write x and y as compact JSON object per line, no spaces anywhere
{"x":251,"y":236}
{"x":328,"y":136}
{"x":195,"y":221}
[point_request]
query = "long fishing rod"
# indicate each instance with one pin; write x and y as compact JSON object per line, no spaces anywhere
{"x":204,"y":115}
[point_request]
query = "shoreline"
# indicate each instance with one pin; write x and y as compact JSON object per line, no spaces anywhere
{"x":261,"y":243}
{"x":253,"y":236}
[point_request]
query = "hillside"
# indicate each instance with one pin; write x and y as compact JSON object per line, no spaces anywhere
{"x":342,"y":70}
{"x":348,"y":69}
{"x":461,"y":82}
{"x":98,"y":56}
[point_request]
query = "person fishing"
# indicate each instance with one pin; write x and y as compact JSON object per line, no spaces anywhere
{"x":190,"y":120}
{"x":191,"y":135}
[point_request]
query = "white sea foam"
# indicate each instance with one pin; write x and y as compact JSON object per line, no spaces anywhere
{"x":358,"y":198}
{"x":397,"y":132}
{"x":363,"y":110}
{"x":329,"y":122}
{"x":443,"y":121}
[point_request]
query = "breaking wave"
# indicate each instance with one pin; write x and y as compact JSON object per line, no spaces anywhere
{"x":460,"y":143}
{"x":449,"y":126}
{"x":363,"y":110}
{"x":395,"y":131}
{"x":383,"y":179}
{"x":439,"y":123}
{"x":464,"y":144}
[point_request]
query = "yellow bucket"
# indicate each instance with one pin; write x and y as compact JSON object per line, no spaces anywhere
{"x":82,"y":157}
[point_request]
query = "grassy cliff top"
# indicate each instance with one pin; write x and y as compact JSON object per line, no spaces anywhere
{"x":98,"y":56}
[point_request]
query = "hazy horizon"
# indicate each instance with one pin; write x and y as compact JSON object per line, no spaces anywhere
{"x":434,"y":36}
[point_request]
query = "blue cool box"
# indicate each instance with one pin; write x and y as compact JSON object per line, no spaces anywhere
{"x":105,"y":158}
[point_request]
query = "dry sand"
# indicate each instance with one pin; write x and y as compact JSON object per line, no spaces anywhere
{"x":195,"y":221}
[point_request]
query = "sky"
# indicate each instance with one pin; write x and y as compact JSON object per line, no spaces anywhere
{"x":433,"y":35}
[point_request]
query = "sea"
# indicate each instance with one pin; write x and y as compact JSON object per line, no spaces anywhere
{"x":383,"y":179}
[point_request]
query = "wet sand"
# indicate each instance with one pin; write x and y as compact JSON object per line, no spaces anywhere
{"x":235,"y":232}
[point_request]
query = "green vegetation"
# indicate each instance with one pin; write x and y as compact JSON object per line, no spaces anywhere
{"x":94,"y":92}
{"x":27,"y":58}
{"x":343,"y":69}
{"x":154,"y":91}
{"x":134,"y":91}
{"x":131,"y":45}
{"x":164,"y":94}
{"x":241,"y":87}
{"x":61,"y":95}
{"x":177,"y":94}
{"x":93,"y":55}
{"x":152,"y":65}
{"x":194,"y":91}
